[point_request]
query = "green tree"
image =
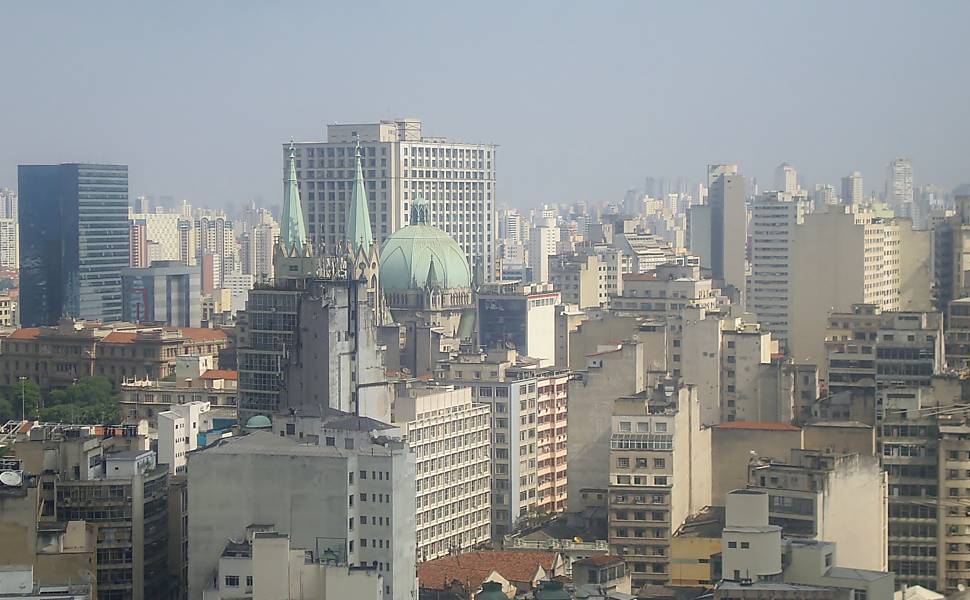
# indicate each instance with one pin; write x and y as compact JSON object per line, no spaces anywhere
{"x":89,"y":401}
{"x":16,"y":396}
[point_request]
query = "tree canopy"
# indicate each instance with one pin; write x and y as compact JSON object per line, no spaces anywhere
{"x":90,"y":401}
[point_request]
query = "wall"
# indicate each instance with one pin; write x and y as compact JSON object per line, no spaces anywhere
{"x":859,"y":439}
{"x":731,"y":453}
{"x":853,"y":514}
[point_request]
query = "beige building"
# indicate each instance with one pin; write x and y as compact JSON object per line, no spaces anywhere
{"x":449,"y":435}
{"x":585,"y":280}
{"x":265,"y":565}
{"x":195,"y":381}
{"x":528,"y":424}
{"x":60,"y":355}
{"x":826,"y":496}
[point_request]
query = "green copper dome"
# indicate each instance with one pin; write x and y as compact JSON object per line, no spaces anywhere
{"x":258,"y":422}
{"x":418,"y":255}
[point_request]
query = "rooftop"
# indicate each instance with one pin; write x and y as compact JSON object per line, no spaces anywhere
{"x":600,"y":560}
{"x":757,"y":425}
{"x":265,"y":443}
{"x":220,"y":374}
{"x":471,"y":568}
{"x":708,"y":523}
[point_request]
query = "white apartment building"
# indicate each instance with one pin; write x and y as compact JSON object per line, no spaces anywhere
{"x":9,"y":244}
{"x":178,"y":433}
{"x":852,"y":189}
{"x":451,"y":441}
{"x":543,"y":241}
{"x":774,"y":217}
{"x":400,"y":164}
{"x":899,"y":183}
{"x":786,"y":179}
{"x":238,"y":285}
{"x":528,"y":408}
{"x":215,"y":235}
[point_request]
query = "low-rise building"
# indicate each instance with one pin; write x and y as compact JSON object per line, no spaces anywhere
{"x":60,"y":355}
{"x":196,"y":380}
{"x":517,"y":571}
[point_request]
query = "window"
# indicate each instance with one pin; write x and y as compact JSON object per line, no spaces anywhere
{"x":732,"y":544}
{"x":623,"y":463}
{"x":745,"y":545}
{"x":249,"y":581}
{"x":232,"y":581}
{"x":659,"y":463}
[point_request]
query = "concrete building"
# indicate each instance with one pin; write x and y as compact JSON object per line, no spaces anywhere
{"x":899,"y":184}
{"x":747,"y":527}
{"x":9,"y":244}
{"x":168,"y":292}
{"x":162,"y":236}
{"x":85,"y":476}
{"x":17,"y":581}
{"x":511,"y":314}
{"x":401,"y":163}
{"x":857,"y":255}
{"x":726,"y":227}
{"x":584,"y":279}
{"x":195,"y":380}
{"x":852,"y":189}
{"x":868,"y":349}
{"x":450,"y":438}
{"x":951,"y":255}
{"x":72,"y":251}
{"x":267,"y":566}
{"x":215,"y":236}
{"x":340,"y":484}
{"x":543,"y":243}
{"x":786,"y":179}
{"x":774,"y":217}
{"x":529,"y":431}
{"x":957,"y":334}
{"x":826,"y":496}
{"x":59,"y":356}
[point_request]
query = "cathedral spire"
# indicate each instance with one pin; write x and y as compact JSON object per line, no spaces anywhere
{"x":358,"y":230}
{"x":292,"y":229}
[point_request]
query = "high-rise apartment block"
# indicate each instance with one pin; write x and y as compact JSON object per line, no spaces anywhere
{"x":719,"y":229}
{"x":9,"y":244}
{"x":528,"y":408}
{"x":450,"y":438}
{"x":786,"y":179}
{"x":74,"y":241}
{"x":899,"y":183}
{"x":400,"y":164}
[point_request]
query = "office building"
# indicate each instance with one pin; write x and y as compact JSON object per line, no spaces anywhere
{"x":400,"y":164}
{"x":449,"y":435}
{"x":543,"y":242}
{"x":852,"y":190}
{"x":168,"y":292}
{"x":8,"y":204}
{"x":341,"y":485}
{"x":586,"y":279}
{"x":74,"y":241}
{"x":719,"y":229}
{"x":528,"y":429}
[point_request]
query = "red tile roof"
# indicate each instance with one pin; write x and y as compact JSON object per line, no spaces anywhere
{"x":764,"y":426}
{"x":220,"y":374}
{"x":120,"y":337}
{"x":26,"y":333}
{"x":471,"y":568}
{"x":203,"y":334}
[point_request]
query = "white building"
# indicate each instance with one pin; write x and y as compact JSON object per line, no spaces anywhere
{"x":9,"y":244}
{"x":400,"y":164}
{"x":178,"y":433}
{"x":521,"y":316}
{"x":450,"y":438}
{"x":543,"y":240}
{"x":342,"y":484}
{"x":899,"y":183}
{"x":773,"y":220}
{"x":786,"y":179}
{"x":162,"y":235}
{"x":238,"y":285}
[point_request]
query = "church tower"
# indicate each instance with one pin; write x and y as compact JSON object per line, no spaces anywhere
{"x":362,"y":252}
{"x":292,"y":254}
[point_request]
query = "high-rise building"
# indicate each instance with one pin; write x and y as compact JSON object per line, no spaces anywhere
{"x":137,"y":245}
{"x":786,"y":179}
{"x":729,"y":230}
{"x":215,"y":237}
{"x":8,"y":204}
{"x":852,"y":191}
{"x":521,"y":316}
{"x":400,"y":164}
{"x":899,"y":183}
{"x":9,"y":244}
{"x":543,"y":240}
{"x":775,"y":215}
{"x":166,"y":292}
{"x":161,"y":234}
{"x":74,"y":241}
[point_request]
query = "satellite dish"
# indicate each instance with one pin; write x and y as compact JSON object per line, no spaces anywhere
{"x":11,"y":478}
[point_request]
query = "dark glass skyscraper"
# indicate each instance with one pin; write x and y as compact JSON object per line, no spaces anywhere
{"x":73,"y":241}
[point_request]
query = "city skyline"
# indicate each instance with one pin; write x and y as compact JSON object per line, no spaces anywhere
{"x":203,"y":86}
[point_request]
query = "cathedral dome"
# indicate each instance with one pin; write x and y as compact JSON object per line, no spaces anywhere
{"x":414,"y":254}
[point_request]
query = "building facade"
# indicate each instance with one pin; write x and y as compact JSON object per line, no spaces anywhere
{"x":167,"y":292}
{"x":74,"y":241}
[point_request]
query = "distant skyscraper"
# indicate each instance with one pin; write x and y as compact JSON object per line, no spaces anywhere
{"x":8,"y":204}
{"x":400,"y":164}
{"x":74,"y":241}
{"x":8,"y":244}
{"x":852,"y":188}
{"x":899,"y":183}
{"x":729,"y":229}
{"x":786,"y":179}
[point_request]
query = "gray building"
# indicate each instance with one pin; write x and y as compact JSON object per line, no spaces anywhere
{"x":166,"y":292}
{"x":73,"y":241}
{"x":342,"y":484}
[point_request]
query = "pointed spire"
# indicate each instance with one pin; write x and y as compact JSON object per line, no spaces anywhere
{"x":431,"y":281}
{"x":358,"y":230}
{"x":292,"y":229}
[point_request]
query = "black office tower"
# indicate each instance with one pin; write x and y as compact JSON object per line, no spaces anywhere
{"x":73,"y":241}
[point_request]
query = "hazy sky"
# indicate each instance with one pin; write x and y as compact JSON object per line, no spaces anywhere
{"x":584,"y":99}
